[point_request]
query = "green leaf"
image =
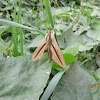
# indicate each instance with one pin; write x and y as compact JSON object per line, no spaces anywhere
{"x":23,"y":79}
{"x":62,"y":10}
{"x":68,"y":58}
{"x":3,"y":44}
{"x":99,"y":94}
{"x":76,"y":41}
{"x":48,"y":9}
{"x":65,"y":37}
{"x":35,"y":42}
{"x":66,"y":14}
{"x":69,"y":40}
{"x":95,"y":35}
{"x":95,"y":12}
{"x":80,"y":30}
{"x":52,"y":85}
{"x":59,"y":27}
{"x":2,"y":29}
{"x":8,"y":7}
{"x":11,"y":23}
{"x":15,"y":32}
{"x":98,"y":72}
{"x":21,"y":34}
{"x":72,"y":51}
{"x":1,"y":54}
{"x":4,"y":2}
{"x":84,"y":21}
{"x":98,"y":60}
{"x":74,"y":85}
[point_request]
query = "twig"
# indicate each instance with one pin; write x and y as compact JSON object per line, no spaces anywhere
{"x":89,"y":58}
{"x":71,"y":24}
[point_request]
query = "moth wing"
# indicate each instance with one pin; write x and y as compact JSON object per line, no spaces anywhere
{"x":55,"y":57}
{"x":56,"y":53}
{"x":38,"y":53}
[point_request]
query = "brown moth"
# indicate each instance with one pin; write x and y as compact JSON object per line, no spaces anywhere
{"x":49,"y":43}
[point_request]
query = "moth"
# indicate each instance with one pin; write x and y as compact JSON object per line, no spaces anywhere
{"x":49,"y":43}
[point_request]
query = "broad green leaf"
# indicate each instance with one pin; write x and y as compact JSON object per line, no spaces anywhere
{"x":98,"y":72}
{"x":72,"y":51}
{"x":75,"y":85}
{"x":87,"y":46}
{"x":99,"y":95}
{"x":4,"y":2}
{"x":7,"y":8}
{"x":80,"y":30}
{"x":87,"y":5}
{"x":65,"y":37}
{"x":69,"y":40}
{"x":98,"y":60}
{"x":76,"y":41}
{"x":93,"y":34}
{"x":95,"y":12}
{"x":35,"y":42}
{"x":84,"y":21}
{"x":23,"y":79}
{"x":68,"y":59}
{"x":59,"y":27}
{"x":61,"y":11}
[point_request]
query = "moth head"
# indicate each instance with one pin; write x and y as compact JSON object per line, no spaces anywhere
{"x":52,"y":32}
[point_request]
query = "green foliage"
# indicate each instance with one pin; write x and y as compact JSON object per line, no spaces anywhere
{"x":48,"y":9}
{"x":25,"y":79}
{"x":74,"y":85}
{"x":52,"y":86}
{"x":15,"y":33}
{"x":24,"y":24}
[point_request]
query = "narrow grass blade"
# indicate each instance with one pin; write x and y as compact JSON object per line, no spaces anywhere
{"x":11,"y":23}
{"x":48,"y":9}
{"x":15,"y":34}
{"x":3,"y":29}
{"x":52,"y":85}
{"x":21,"y":37}
{"x":3,"y":42}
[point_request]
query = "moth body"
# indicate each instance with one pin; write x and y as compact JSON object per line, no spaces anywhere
{"x":49,"y":43}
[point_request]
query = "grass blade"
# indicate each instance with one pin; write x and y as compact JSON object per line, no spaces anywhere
{"x":3,"y":42}
{"x":15,"y":34}
{"x":52,"y":85}
{"x":11,"y":23}
{"x":21,"y":37}
{"x":48,"y":9}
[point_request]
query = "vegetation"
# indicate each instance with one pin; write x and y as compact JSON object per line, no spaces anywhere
{"x":24,"y":24}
